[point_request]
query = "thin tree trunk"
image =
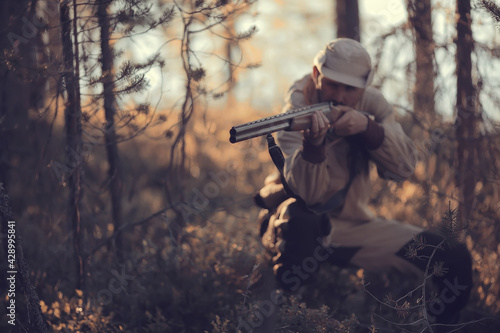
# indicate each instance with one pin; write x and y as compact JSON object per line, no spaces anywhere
{"x":114,"y":173}
{"x":73,"y":139}
{"x":347,"y":13}
{"x":18,"y":42}
{"x":465,"y":123}
{"x":419,"y":14}
{"x":230,"y":65}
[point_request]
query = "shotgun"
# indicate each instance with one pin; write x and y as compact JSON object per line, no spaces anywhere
{"x":293,"y":120}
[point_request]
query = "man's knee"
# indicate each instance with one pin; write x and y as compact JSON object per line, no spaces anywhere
{"x":292,"y":237}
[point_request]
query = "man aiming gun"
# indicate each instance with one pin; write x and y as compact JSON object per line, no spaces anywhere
{"x":331,"y":160}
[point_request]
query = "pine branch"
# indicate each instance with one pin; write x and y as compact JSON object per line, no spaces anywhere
{"x":492,"y":8}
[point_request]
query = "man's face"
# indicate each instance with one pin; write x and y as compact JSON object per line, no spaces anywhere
{"x":332,"y":91}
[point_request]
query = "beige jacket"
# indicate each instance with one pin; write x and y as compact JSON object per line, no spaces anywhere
{"x":315,"y":183}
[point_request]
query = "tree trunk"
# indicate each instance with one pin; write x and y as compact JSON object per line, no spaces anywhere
{"x":17,"y":44}
{"x":230,"y":64}
{"x":466,"y":119}
{"x":347,"y":14}
{"x":114,"y":173}
{"x":419,"y":16}
{"x":22,"y":270}
{"x":73,"y":138}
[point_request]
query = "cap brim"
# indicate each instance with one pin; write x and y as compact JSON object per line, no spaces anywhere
{"x":344,"y":78}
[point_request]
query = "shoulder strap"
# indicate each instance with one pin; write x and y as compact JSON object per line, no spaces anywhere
{"x":334,"y":203}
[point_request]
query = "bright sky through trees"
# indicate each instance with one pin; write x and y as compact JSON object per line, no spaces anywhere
{"x":291,"y":32}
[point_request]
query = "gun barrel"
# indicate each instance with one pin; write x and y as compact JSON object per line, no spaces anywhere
{"x":279,"y":122}
{"x":240,"y":133}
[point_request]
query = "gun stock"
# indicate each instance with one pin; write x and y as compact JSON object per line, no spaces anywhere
{"x":293,"y":120}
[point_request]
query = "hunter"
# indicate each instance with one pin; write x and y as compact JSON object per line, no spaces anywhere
{"x":324,"y":216}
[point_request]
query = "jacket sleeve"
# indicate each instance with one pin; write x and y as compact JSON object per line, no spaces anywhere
{"x":316,"y":175}
{"x":307,"y":177}
{"x":309,"y":180}
{"x":395,"y":158}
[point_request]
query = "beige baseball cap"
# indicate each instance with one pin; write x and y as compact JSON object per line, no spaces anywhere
{"x":346,"y":61}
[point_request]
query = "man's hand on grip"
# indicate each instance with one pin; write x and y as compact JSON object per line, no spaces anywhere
{"x":315,"y":135}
